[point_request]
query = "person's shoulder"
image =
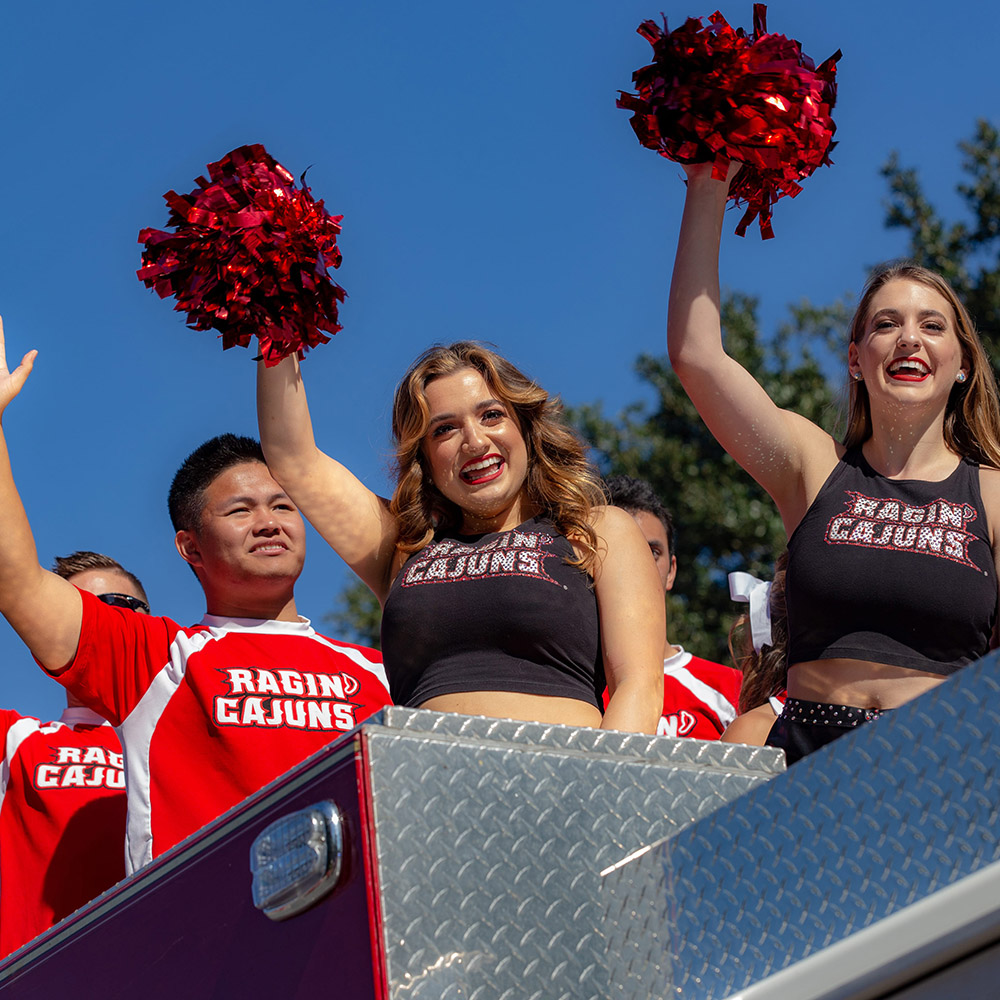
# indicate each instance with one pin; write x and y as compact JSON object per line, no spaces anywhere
{"x":989,"y":476}
{"x":712,"y":666}
{"x":361,"y":661}
{"x":750,"y":728}
{"x":718,"y":675}
{"x":106,"y":613}
{"x":610,"y":522}
{"x":989,"y":489}
{"x":10,"y":717}
{"x":368,"y":652}
{"x":27,"y":724}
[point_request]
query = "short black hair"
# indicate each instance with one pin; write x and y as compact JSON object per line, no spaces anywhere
{"x":633,"y":495}
{"x":203,"y":466}
{"x":84,"y":560}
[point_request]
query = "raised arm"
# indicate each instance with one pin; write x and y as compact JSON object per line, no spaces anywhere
{"x":44,"y":610}
{"x":349,"y":516}
{"x":782,"y":450}
{"x":631,"y":611}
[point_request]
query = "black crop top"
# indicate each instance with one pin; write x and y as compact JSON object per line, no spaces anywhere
{"x":895,"y":571}
{"x":495,"y":612}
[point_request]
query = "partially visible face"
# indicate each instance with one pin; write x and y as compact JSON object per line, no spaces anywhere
{"x":910,"y":344}
{"x":250,"y":529}
{"x":106,"y":581}
{"x":475,"y":449}
{"x":656,"y":537}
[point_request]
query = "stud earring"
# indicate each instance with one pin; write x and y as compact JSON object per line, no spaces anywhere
{"x":857,"y":376}
{"x":961,"y":377}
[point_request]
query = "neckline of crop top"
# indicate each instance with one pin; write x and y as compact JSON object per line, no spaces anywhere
{"x":454,"y":535}
{"x":864,"y":534}
{"x":857,"y":455}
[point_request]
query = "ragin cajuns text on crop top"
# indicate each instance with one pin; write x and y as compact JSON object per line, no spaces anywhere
{"x":896,"y":571}
{"x":496,"y":612}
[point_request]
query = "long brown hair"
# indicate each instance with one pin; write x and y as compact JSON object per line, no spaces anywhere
{"x":560,"y":480}
{"x":765,"y":671}
{"x":972,"y":417}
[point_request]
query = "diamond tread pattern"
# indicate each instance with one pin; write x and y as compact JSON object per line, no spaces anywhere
{"x":491,"y":834}
{"x":887,"y":815}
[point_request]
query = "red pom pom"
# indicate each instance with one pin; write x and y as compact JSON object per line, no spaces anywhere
{"x":715,"y":94}
{"x":249,"y":256}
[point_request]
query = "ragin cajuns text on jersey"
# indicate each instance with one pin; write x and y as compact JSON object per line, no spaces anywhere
{"x":298,"y":699}
{"x":80,"y":767}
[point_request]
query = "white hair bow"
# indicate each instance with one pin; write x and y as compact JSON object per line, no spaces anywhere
{"x":748,"y":589}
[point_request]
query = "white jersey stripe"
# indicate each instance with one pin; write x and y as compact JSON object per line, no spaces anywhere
{"x":355,"y":656}
{"x":716,"y":701}
{"x":16,"y":735}
{"x":136,"y":734}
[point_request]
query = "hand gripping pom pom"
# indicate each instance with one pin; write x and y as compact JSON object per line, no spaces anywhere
{"x":714,"y":94}
{"x":249,"y":257}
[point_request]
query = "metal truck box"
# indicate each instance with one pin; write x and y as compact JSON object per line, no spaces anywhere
{"x":867,"y":868}
{"x":470,"y":868}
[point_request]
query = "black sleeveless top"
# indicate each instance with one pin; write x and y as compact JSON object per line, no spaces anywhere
{"x":495,"y":612}
{"x":895,"y":571}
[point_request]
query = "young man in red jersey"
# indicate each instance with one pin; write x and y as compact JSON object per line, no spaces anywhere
{"x":62,"y":790}
{"x":700,"y":697}
{"x":207,"y":714}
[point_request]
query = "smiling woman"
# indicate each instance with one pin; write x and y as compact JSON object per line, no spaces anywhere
{"x":473,"y":440}
{"x":893,"y":546}
{"x":508,"y":588}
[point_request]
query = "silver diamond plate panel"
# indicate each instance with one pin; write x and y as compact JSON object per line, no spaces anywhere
{"x":872,"y":823}
{"x":729,"y":756}
{"x":490,"y":837}
{"x":639,"y":914}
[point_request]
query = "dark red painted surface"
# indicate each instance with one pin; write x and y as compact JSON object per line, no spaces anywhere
{"x":192,"y":933}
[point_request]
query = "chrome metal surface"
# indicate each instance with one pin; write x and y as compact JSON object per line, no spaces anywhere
{"x":491,"y":834}
{"x":701,"y":753}
{"x":871,"y":824}
{"x":937,"y":931}
{"x":296,"y":860}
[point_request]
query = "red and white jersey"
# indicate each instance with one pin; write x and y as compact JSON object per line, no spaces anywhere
{"x":700,"y":697}
{"x":207,"y":715}
{"x":62,"y":819}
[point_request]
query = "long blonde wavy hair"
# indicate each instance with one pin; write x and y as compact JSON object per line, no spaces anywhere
{"x":560,"y":480}
{"x":972,"y":417}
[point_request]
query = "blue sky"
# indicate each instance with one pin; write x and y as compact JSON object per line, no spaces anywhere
{"x":489,"y":189}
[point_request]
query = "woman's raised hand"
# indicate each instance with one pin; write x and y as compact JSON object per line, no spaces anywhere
{"x":697,"y":172}
{"x":11,"y":382}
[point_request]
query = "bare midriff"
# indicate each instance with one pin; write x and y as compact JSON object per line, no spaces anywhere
{"x":860,"y":683}
{"x":511,"y":705}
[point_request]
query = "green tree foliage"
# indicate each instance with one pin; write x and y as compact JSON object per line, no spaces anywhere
{"x":725,"y":521}
{"x":966,"y":253}
{"x":357,"y":616}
